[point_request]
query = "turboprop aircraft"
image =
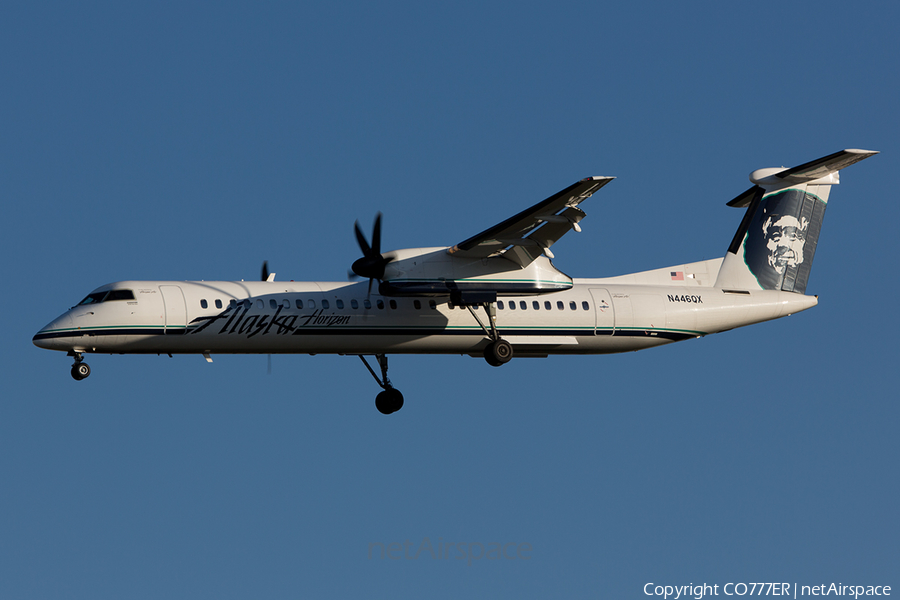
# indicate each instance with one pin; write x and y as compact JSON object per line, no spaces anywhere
{"x":496,"y":294}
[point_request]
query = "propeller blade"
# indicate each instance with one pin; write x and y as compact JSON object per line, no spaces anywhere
{"x":372,"y":263}
{"x":376,"y":235}
{"x":361,"y":240}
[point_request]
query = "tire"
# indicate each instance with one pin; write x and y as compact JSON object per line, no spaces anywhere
{"x":396,"y":399}
{"x":80,"y":370}
{"x":389,"y":401}
{"x":498,"y":352}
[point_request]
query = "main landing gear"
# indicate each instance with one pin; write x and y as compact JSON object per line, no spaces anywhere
{"x":390,"y":400}
{"x":498,"y":351}
{"x":80,"y":370}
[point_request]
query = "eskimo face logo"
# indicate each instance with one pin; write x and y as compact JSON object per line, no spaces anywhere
{"x":785,"y":236}
{"x":781,"y":239}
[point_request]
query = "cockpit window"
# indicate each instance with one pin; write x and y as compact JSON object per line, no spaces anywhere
{"x":94,"y":298}
{"x":98,"y":297}
{"x":120,"y":295}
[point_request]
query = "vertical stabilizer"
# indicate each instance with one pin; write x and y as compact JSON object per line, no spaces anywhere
{"x":774,"y":246}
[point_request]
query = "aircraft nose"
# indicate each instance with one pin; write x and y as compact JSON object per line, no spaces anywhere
{"x":50,"y":335}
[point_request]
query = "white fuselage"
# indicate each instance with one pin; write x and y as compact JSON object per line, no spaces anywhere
{"x":595,"y":316}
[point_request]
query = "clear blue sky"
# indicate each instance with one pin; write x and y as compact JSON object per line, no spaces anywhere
{"x":192,"y":141}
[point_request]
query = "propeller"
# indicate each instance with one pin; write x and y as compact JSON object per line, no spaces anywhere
{"x":373,"y":262}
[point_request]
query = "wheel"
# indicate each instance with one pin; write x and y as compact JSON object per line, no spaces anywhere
{"x":80,"y":370}
{"x":489,"y":356}
{"x":498,"y":352}
{"x":389,"y":401}
{"x":382,"y":403}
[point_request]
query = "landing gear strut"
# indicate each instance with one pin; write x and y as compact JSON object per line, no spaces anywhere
{"x":80,"y":369}
{"x":390,"y":400}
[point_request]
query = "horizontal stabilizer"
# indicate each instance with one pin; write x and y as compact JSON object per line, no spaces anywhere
{"x":774,"y":245}
{"x":821,"y":167}
{"x":745,"y":198}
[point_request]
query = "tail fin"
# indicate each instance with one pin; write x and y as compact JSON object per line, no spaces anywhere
{"x":774,"y":246}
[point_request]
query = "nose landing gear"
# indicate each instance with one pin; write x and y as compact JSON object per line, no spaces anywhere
{"x":80,"y":370}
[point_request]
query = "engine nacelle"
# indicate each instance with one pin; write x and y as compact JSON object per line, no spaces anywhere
{"x":432,"y":271}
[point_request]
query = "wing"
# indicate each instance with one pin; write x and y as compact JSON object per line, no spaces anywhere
{"x":530,"y":233}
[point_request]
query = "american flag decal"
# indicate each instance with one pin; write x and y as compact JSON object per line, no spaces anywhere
{"x":677,"y":275}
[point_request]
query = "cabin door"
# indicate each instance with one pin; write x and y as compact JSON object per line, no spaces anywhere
{"x":176,"y":311}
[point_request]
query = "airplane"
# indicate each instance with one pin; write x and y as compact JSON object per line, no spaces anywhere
{"x":496,"y":294}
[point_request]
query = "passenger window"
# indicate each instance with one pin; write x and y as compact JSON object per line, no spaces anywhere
{"x":500,"y":304}
{"x":547,"y":305}
{"x":312,"y":304}
{"x":367,"y":303}
{"x":325,"y":304}
{"x":354,"y":304}
{"x":299,"y":304}
{"x":286,"y":303}
{"x":536,"y":305}
{"x":379,"y":304}
{"x":272,"y":303}
{"x":417,"y":305}
{"x":203,"y":304}
{"x":394,"y":304}
{"x":585,"y":305}
{"x":232,"y":303}
{"x":339,"y":303}
{"x":259,"y":304}
{"x":432,"y":304}
{"x":218,"y":303}
{"x":572,"y":305}
{"x":560,"y":305}
{"x":512,"y":305}
{"x":523,"y":305}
